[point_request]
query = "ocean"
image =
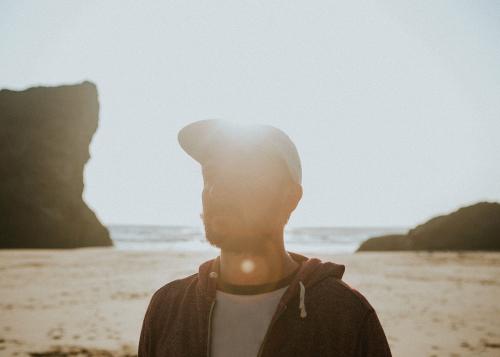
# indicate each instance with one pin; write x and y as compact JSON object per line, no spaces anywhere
{"x":336,"y":240}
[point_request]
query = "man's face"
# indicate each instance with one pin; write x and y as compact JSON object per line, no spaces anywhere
{"x":243,"y":201}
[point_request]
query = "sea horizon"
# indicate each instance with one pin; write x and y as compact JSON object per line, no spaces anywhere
{"x":330,"y":239}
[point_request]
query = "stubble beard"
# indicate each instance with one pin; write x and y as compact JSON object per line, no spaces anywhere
{"x":254,"y":242}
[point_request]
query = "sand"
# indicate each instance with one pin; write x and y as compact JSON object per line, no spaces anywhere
{"x":92,"y":300}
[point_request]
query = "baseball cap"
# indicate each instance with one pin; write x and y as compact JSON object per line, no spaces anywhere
{"x":206,"y":139}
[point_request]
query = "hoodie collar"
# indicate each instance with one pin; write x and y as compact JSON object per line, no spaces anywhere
{"x":312,"y":271}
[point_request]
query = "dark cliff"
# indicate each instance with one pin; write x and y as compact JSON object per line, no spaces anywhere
{"x":475,"y":227}
{"x":45,"y":134}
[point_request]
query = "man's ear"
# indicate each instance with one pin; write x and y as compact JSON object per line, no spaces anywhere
{"x":291,"y":199}
{"x":293,"y":195}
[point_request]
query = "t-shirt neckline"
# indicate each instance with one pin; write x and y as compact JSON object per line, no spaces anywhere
{"x":256,"y":289}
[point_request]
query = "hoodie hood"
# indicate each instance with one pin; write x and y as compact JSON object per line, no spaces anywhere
{"x":311,"y":272}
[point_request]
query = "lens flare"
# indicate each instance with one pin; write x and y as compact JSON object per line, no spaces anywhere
{"x":247,"y":265}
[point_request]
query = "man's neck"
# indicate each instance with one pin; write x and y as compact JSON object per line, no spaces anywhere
{"x":250,"y":269}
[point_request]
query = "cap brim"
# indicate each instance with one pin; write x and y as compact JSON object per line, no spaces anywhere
{"x":209,"y":138}
{"x":197,"y":138}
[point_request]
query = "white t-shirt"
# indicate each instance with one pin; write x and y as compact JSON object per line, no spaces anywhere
{"x":241,"y":321}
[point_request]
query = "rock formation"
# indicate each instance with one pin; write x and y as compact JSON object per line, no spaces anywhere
{"x":45,"y":134}
{"x":475,"y":227}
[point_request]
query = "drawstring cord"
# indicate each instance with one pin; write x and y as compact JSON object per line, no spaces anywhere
{"x":302,"y":306}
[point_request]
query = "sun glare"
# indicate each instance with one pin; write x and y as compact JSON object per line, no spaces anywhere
{"x":247,"y":266}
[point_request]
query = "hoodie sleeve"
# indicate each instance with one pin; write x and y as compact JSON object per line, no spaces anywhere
{"x":144,"y":348}
{"x":371,"y":338}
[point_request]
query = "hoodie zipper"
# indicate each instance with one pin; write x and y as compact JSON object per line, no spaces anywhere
{"x":209,"y":327}
{"x":268,"y":331}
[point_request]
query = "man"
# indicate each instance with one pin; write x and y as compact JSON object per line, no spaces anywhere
{"x":255,"y":298}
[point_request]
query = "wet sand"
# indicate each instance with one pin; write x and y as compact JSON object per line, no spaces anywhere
{"x":92,"y":300}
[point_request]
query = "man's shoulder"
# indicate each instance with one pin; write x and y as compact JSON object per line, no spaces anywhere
{"x":166,"y":299}
{"x":174,"y":288}
{"x":343,"y":294}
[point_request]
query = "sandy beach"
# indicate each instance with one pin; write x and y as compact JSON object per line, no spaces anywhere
{"x":92,"y":300}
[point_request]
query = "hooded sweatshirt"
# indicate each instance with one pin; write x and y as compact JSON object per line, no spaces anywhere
{"x":317,"y":315}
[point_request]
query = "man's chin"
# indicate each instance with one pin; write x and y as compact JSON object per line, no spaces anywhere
{"x":235,"y":242}
{"x":221,"y":235}
{"x":225,"y":226}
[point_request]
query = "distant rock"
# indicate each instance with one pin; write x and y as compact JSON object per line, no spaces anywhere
{"x":45,"y":134}
{"x":475,"y":227}
{"x":387,"y":242}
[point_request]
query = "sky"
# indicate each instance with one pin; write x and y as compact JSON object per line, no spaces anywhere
{"x":394,"y":106}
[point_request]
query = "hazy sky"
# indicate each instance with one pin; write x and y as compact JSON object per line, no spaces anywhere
{"x":394,"y":106}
